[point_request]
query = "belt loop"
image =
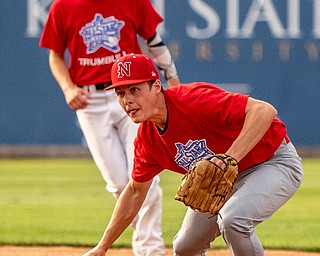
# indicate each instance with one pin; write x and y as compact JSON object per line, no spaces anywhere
{"x":86,"y":87}
{"x":102,"y":86}
{"x":98,"y":86}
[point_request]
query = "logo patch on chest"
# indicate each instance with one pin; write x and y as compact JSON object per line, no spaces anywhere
{"x":191,"y":152}
{"x":102,"y":32}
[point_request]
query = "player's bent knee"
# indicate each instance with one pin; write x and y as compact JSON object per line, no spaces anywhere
{"x":179,"y":246}
{"x":234,"y":224}
{"x":227,"y":223}
{"x":183,"y":247}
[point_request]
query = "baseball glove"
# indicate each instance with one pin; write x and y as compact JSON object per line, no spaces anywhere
{"x":206,"y":187}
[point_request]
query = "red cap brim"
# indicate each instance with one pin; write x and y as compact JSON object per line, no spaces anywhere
{"x":126,"y":83}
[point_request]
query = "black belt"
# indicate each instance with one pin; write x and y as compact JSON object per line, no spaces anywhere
{"x":99,"y":86}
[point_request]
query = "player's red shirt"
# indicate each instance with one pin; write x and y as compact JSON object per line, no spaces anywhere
{"x":202,"y":119}
{"x":97,"y":33}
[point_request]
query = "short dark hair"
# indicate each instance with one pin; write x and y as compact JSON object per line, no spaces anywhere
{"x":151,"y":82}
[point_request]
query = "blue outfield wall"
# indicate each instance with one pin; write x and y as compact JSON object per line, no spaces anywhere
{"x":269,"y":49}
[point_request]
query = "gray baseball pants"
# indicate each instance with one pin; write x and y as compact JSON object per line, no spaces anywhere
{"x":258,"y":193}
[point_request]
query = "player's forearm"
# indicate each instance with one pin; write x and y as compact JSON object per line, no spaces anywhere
{"x":127,"y":207}
{"x":174,"y":81}
{"x":121,"y":219}
{"x":60,"y":71}
{"x":259,"y":116}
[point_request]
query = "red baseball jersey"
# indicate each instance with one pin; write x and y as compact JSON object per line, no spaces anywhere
{"x":202,"y":120}
{"x":97,"y":33}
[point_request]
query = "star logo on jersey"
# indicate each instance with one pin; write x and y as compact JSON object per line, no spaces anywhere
{"x":192,"y":152}
{"x":102,"y":32}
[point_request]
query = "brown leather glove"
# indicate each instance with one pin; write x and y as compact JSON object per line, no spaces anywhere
{"x":207,"y":187}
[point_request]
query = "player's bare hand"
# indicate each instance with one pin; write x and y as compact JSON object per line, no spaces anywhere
{"x":96,"y":251}
{"x":223,"y":161}
{"x":218,"y":162}
{"x":76,"y":98}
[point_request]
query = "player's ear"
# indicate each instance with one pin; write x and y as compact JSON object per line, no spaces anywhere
{"x":157,"y":85}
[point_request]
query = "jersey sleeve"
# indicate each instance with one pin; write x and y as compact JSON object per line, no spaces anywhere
{"x":53,"y":35}
{"x":230,"y":108}
{"x":147,"y":19}
{"x":145,"y":165}
{"x":225,"y":107}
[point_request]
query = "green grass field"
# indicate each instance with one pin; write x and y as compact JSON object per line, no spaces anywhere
{"x":64,"y":202}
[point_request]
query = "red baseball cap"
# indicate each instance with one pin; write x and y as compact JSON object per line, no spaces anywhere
{"x":132,"y":69}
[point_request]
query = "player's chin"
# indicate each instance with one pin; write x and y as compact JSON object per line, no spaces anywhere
{"x":135,"y":117}
{"x":136,"y":120}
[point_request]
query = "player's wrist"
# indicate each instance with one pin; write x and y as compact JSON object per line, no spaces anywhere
{"x":174,"y":81}
{"x":67,"y":87}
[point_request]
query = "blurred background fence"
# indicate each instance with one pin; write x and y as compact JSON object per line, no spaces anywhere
{"x":268,"y":49}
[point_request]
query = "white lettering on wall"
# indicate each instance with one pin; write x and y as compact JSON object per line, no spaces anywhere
{"x":232,"y":18}
{"x":37,"y":12}
{"x":259,"y":11}
{"x":294,"y":30}
{"x":316,"y":19}
{"x":159,"y":5}
{"x":209,"y":15}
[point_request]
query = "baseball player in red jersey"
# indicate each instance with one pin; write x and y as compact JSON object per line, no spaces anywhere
{"x":96,"y":33}
{"x":181,"y":125}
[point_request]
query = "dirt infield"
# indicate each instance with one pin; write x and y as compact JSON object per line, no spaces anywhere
{"x":72,"y":251}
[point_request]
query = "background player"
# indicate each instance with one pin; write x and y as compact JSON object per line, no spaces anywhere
{"x":212,"y":121}
{"x":96,"y":33}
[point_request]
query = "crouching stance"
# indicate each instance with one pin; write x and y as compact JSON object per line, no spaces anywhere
{"x":180,"y":126}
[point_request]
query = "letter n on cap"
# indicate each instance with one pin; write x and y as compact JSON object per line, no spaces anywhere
{"x":123,"y":69}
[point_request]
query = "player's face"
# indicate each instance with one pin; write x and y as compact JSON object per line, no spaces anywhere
{"x":139,"y":100}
